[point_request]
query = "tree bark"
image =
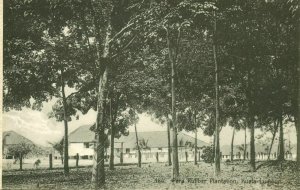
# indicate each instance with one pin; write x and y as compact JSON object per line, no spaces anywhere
{"x":252,"y":143}
{"x":113,"y":117}
{"x":138,"y":147}
{"x":245,"y":143}
{"x":297,"y":117}
{"x":298,"y":141}
{"x":112,"y":147}
{"x":232,"y":140}
{"x":273,"y":138}
{"x":281,"y":141}
{"x":196,"y":139}
{"x":98,"y":171}
{"x":169,"y":144}
{"x":217,"y":128}
{"x":50,"y":161}
{"x":172,"y":56}
{"x":66,"y":143}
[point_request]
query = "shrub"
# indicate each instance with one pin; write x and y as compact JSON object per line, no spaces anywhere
{"x":208,"y":154}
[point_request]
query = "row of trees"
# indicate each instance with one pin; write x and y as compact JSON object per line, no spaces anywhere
{"x":191,"y":64}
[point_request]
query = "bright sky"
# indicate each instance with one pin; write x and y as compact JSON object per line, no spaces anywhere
{"x":37,"y":127}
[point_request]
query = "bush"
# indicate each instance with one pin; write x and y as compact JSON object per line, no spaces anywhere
{"x":208,"y":154}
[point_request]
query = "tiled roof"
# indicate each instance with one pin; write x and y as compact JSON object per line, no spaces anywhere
{"x":154,"y":138}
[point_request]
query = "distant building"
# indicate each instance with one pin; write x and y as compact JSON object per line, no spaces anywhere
{"x":154,"y":145}
{"x":261,"y":151}
{"x":11,"y":138}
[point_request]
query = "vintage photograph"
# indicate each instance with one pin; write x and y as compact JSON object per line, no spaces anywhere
{"x":151,"y":94}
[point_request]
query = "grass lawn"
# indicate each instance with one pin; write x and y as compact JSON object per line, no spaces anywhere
{"x":158,"y":176}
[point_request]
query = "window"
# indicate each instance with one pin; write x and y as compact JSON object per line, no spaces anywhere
{"x":86,"y":145}
{"x":127,"y":150}
{"x":159,"y":148}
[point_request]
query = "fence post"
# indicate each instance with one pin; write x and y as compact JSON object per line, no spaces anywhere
{"x":186,"y":156}
{"x":157,"y":159}
{"x":77,"y":160}
{"x":50,"y":161}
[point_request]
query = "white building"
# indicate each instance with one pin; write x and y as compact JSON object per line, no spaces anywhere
{"x":154,"y":146}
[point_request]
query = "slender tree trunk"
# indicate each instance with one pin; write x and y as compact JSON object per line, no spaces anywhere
{"x":113,"y":117}
{"x":273,"y":138}
{"x":169,"y":144}
{"x":121,"y":154}
{"x":196,"y":139}
{"x":298,"y":141}
{"x":217,"y":128}
{"x":232,"y":140}
{"x":252,"y":143}
{"x":112,"y":147}
{"x":281,"y":141}
{"x":297,"y":117}
{"x":66,"y":143}
{"x":138,"y":147}
{"x":21,"y":161}
{"x":245,"y":143}
{"x":172,"y":57}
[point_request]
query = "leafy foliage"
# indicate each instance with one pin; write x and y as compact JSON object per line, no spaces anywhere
{"x":208,"y":154}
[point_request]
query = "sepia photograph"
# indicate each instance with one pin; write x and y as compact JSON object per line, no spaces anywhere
{"x":150,"y":94}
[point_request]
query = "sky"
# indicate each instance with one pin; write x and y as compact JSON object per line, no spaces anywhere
{"x":36,"y":126}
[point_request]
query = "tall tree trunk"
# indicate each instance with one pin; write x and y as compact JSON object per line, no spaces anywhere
{"x":297,"y":124}
{"x":252,"y":143}
{"x":245,"y":143}
{"x":281,"y":141}
{"x":112,"y":147}
{"x":113,"y":117}
{"x":138,"y":147}
{"x":66,"y":143}
{"x":297,"y":117}
{"x":172,"y":56}
{"x":217,"y":128}
{"x":196,"y":139}
{"x":98,"y":171}
{"x":169,"y":144}
{"x":273,"y":138}
{"x":232,"y":140}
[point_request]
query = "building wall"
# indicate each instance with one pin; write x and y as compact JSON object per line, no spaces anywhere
{"x":80,"y":148}
{"x":130,"y":154}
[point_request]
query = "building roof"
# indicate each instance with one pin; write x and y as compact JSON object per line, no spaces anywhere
{"x":11,"y":138}
{"x":153,"y":138}
{"x":82,"y":134}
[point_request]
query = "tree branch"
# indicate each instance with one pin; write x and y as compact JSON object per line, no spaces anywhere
{"x":121,"y":31}
{"x":126,"y":46}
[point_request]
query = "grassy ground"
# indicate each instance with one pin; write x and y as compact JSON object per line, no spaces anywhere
{"x":269,"y":175}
